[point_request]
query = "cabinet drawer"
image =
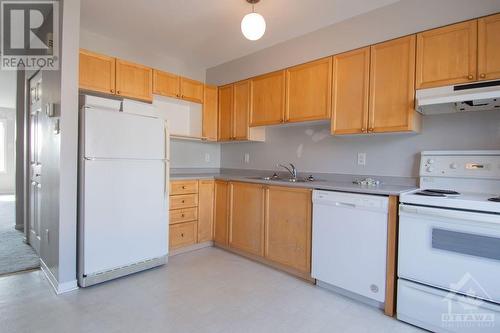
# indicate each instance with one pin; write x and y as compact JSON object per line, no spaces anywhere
{"x":183,"y":201}
{"x":183,"y":215}
{"x":183,"y":187}
{"x":182,"y":234}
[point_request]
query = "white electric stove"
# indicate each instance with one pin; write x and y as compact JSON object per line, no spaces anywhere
{"x":449,"y":244}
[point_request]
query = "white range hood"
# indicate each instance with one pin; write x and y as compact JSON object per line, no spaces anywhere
{"x":482,"y":96}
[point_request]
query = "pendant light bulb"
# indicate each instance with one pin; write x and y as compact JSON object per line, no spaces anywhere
{"x":253,"y":26}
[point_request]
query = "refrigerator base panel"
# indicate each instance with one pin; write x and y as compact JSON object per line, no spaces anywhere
{"x":89,"y":280}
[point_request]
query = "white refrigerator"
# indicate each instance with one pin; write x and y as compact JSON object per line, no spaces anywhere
{"x":123,"y":192}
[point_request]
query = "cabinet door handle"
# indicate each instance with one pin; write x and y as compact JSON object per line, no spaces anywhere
{"x":118,"y":92}
{"x":482,"y":75}
{"x":370,"y":130}
{"x":363,"y":130}
{"x":112,"y":90}
{"x":183,"y":187}
{"x":470,"y":77}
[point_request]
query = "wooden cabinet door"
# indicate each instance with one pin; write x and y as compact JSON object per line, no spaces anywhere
{"x":221,"y":214}
{"x":191,"y":90}
{"x":134,"y":81}
{"x":241,"y":109}
{"x":183,"y":234}
{"x":447,"y":55}
{"x":166,"y":84}
{"x":489,"y":47}
{"x":392,"y":86}
{"x":309,"y":91}
{"x":351,"y":82}
{"x":225,"y":113}
{"x":288,"y":227}
{"x":97,"y":72}
{"x":209,"y":122}
{"x":205,"y":210}
{"x":246,"y":218}
{"x":267,"y":99}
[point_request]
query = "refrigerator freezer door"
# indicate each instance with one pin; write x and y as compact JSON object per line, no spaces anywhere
{"x":125,"y":213}
{"x":118,"y":135}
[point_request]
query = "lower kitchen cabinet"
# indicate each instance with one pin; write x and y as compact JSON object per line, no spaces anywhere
{"x":221,"y":214}
{"x":246,"y":218}
{"x":288,"y":227}
{"x":205,"y":210}
{"x":182,"y":234}
{"x":191,"y":212}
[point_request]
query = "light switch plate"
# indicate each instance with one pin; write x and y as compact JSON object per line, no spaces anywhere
{"x":361,"y":158}
{"x":247,"y":158}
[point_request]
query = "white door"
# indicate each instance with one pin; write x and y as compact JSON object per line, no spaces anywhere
{"x":35,"y":167}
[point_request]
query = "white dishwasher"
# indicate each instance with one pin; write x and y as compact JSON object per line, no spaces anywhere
{"x":349,"y":243}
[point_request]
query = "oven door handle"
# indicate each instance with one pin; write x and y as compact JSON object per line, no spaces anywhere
{"x":484,"y":218}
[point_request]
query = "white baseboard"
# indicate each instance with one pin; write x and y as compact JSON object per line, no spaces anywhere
{"x":59,"y":288}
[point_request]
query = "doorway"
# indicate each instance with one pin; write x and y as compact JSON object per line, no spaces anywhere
{"x":15,"y":252}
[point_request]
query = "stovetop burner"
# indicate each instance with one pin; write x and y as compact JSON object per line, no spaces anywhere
{"x":438,"y":193}
{"x":497,"y":199}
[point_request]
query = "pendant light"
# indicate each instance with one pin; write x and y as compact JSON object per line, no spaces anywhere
{"x":253,"y":25}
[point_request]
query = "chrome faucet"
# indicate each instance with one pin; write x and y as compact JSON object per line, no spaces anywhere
{"x":292,"y":170}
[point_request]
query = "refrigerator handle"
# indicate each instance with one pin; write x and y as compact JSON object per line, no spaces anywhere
{"x":167,"y":158}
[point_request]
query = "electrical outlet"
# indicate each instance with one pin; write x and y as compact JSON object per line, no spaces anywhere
{"x":247,"y":158}
{"x":207,"y":157}
{"x":361,"y":158}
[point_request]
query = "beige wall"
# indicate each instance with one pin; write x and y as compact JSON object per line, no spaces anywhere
{"x":402,"y":18}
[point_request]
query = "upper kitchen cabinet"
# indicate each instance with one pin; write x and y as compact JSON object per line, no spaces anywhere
{"x":241,"y":109}
{"x":225,"y":113}
{"x":448,"y":55}
{"x":351,"y":82}
{"x":392,"y":87}
{"x":308,"y":91}
{"x":134,"y":80}
{"x":191,"y":90}
{"x":97,"y":72}
{"x":209,"y":122}
{"x":267,"y":99}
{"x":234,"y":108}
{"x":166,"y":84}
{"x":489,"y":47}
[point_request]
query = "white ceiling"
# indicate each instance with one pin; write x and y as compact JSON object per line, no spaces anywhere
{"x":207,"y":32}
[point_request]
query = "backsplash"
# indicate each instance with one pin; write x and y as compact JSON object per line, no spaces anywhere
{"x":312,"y":149}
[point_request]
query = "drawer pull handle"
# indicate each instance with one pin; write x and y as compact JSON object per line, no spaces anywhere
{"x":183,"y":201}
{"x":182,"y":215}
{"x":182,"y":235}
{"x":183,"y":187}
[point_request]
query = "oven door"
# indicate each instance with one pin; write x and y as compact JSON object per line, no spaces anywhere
{"x":451,"y":249}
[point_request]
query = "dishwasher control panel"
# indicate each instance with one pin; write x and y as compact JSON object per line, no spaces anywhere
{"x":354,"y":200}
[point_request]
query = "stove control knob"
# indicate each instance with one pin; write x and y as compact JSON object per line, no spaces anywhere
{"x":430,"y":161}
{"x":430,"y":169}
{"x":453,"y":166}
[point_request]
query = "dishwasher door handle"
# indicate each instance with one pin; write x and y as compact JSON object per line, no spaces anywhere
{"x":344,"y":204}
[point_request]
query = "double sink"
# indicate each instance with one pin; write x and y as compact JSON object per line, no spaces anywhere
{"x":277,"y":178}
